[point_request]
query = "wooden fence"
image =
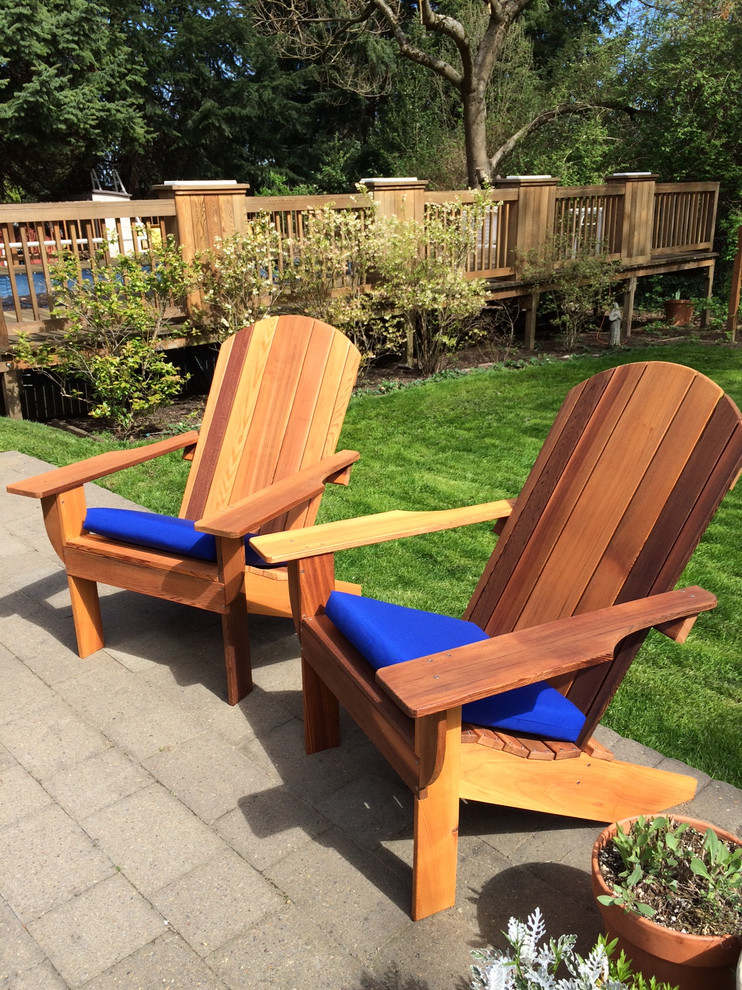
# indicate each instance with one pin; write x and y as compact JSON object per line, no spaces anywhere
{"x":647,"y":227}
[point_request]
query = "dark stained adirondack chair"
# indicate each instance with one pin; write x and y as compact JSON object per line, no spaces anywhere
{"x":502,"y":707}
{"x":264,"y":453}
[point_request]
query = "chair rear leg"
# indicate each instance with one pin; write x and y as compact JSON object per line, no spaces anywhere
{"x":237,"y":650}
{"x":86,"y":615}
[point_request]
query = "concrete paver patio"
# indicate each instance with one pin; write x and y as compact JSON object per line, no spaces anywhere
{"x":152,"y":836}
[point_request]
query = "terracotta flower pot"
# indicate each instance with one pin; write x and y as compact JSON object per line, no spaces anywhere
{"x":678,"y":312}
{"x":691,"y":962}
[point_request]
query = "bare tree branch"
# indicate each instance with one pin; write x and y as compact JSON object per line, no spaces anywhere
{"x":563,"y":110}
{"x":321,"y":30}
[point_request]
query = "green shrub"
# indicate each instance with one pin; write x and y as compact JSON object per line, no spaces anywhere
{"x":240,"y":277}
{"x":422,"y":278}
{"x":577,"y":280}
{"x":114,"y":316}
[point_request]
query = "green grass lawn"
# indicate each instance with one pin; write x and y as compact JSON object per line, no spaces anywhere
{"x":473,"y":438}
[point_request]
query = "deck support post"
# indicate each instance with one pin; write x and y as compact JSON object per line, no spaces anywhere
{"x":530,"y":329}
{"x":709,"y":292}
{"x":11,"y":387}
{"x":628,"y":307}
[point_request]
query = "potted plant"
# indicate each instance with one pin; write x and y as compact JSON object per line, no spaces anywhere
{"x":678,"y":312}
{"x":669,"y":889}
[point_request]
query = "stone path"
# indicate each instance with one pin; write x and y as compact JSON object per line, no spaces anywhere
{"x":153,"y":837}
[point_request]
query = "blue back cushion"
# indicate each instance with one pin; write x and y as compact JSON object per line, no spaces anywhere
{"x":166,"y":533}
{"x":386,"y":634}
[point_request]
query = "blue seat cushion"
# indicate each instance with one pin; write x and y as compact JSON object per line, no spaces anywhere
{"x":158,"y":532}
{"x":386,"y":634}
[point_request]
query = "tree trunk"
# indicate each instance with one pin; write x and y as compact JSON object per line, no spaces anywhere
{"x":475,"y":136}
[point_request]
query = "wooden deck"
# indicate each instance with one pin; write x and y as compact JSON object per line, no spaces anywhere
{"x":647,"y":227}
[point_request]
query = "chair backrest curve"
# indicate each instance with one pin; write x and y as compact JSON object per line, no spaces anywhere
{"x":277,"y":402}
{"x":630,"y":475}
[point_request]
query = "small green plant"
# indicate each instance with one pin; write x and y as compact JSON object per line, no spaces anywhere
{"x":115,"y":312}
{"x":240,"y":277}
{"x":532,"y":965}
{"x":714,"y":308}
{"x":578,"y":281}
{"x":661,"y":864}
{"x":422,"y":276}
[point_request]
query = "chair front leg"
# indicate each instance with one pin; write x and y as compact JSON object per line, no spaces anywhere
{"x":86,"y":615}
{"x":436,"y":829}
{"x":237,"y":649}
{"x":63,"y":518}
{"x":230,"y":554}
{"x":321,"y":711}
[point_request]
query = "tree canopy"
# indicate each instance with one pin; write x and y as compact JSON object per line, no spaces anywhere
{"x":312,"y":96}
{"x":70,"y":94}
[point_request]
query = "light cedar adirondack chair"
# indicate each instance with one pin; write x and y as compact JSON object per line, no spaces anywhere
{"x":629,"y":476}
{"x":260,"y":463}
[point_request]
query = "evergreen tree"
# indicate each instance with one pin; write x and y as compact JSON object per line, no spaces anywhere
{"x":69,"y":95}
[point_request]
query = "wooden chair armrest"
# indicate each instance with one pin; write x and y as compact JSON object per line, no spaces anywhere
{"x":446,"y":680}
{"x":250,"y":513}
{"x":64,"y":479}
{"x":312,"y":541}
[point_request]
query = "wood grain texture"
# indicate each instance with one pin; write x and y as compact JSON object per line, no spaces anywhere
{"x":349,"y":678}
{"x":73,"y":475}
{"x":248,"y":514}
{"x":468,"y":673}
{"x":631,"y":473}
{"x":586,"y":787}
{"x":436,"y":824}
{"x":264,"y":454}
{"x":366,"y":530}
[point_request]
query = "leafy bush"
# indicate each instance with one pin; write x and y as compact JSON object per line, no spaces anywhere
{"x":329,"y":278}
{"x":115,"y":314}
{"x":577,"y":280}
{"x":387,"y":281}
{"x":241,"y":276}
{"x":422,"y":277}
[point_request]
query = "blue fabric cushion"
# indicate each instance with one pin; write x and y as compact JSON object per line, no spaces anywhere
{"x":386,"y":634}
{"x":167,"y":533}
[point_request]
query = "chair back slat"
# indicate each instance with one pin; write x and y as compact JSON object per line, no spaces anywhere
{"x":273,"y":408}
{"x":322,"y":399}
{"x":631,"y":474}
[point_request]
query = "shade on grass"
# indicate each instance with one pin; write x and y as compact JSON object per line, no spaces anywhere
{"x":471,"y":439}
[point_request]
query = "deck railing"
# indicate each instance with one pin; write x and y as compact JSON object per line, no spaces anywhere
{"x":587,"y":220}
{"x":630,"y":218}
{"x":32,"y":235}
{"x":684,"y":217}
{"x":289,"y":217}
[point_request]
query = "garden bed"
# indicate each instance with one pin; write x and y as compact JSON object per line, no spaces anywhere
{"x":388,"y":374}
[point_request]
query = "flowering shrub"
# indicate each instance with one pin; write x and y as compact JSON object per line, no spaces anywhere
{"x":240,"y":276}
{"x":535,"y":966}
{"x":387,"y":283}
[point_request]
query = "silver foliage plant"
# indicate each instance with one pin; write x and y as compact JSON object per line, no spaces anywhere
{"x":532,"y":964}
